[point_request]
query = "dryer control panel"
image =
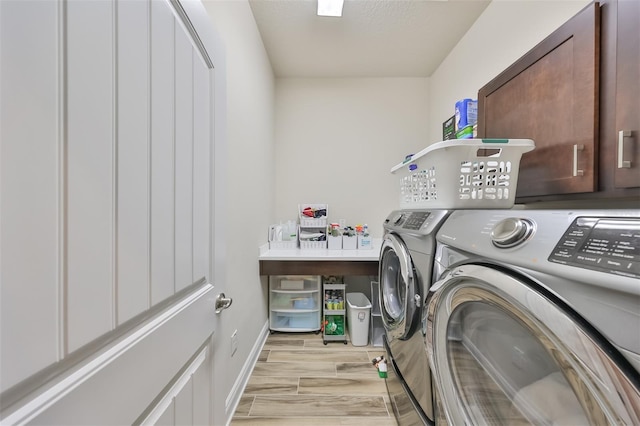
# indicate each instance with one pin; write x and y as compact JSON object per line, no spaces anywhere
{"x":609,"y":245}
{"x":415,"y":222}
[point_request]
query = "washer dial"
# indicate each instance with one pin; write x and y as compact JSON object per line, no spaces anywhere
{"x":511,"y":232}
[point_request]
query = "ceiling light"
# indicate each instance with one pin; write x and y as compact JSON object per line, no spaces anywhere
{"x":330,"y":7}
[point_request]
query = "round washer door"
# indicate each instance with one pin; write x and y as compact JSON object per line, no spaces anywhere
{"x":502,"y":352}
{"x":398,"y":297}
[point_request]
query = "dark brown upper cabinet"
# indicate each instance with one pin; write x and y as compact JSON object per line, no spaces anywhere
{"x":620,"y":95}
{"x":551,"y":95}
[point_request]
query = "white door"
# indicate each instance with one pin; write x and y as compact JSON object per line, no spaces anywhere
{"x":107,"y":303}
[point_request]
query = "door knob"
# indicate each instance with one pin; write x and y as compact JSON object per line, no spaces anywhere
{"x":222,"y":302}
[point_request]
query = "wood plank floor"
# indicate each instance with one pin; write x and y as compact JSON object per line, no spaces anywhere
{"x":300,"y":381}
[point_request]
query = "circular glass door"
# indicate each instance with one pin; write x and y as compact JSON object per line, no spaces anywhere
{"x":502,"y":353}
{"x":397,"y":287}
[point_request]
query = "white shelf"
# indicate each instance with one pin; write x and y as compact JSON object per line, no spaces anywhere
{"x":371,"y":254}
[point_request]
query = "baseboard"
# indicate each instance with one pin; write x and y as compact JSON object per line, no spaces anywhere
{"x":233,"y":399}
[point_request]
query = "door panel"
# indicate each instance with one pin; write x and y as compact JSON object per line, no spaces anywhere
{"x":627,"y":167}
{"x":133,"y":159}
{"x":162,"y":158}
{"x":201,"y":168}
{"x":187,"y":402}
{"x":29,"y":164}
{"x":166,"y":419}
{"x":202,"y":390}
{"x":184,"y":401}
{"x":90,"y":172}
{"x":183,"y":160}
{"x":108,"y":387}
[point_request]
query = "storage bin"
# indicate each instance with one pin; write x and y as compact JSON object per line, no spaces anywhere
{"x":334,"y":243}
{"x":283,"y":245}
{"x":334,"y":325}
{"x":283,"y":236}
{"x":364,"y":242}
{"x":294,"y":302}
{"x":358,"y":317}
{"x":306,"y":320}
{"x":313,"y":245}
{"x":319,"y":220}
{"x":349,"y":243}
{"x":309,"y":238}
{"x":304,"y":303}
{"x":280,"y":321}
{"x":462,"y":174}
{"x":291,"y":285}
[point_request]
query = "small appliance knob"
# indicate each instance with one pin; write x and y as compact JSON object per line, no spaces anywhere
{"x":511,"y":231}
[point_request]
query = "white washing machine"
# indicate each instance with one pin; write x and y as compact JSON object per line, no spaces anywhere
{"x":535,"y":318}
{"x":405,"y":274}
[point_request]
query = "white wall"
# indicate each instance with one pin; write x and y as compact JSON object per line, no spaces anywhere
{"x":505,"y":31}
{"x":250,"y":145}
{"x":337,"y":139}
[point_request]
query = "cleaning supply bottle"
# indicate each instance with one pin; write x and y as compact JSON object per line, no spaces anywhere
{"x":382,"y":369}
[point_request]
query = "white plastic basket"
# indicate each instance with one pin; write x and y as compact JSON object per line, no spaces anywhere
{"x":310,"y":222}
{"x":283,"y":245}
{"x":462,"y":174}
{"x":313,"y":245}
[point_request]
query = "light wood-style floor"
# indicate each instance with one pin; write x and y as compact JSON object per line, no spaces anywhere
{"x":300,"y":381}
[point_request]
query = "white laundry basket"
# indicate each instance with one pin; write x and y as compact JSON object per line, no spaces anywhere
{"x":358,"y":317}
{"x":462,"y":174}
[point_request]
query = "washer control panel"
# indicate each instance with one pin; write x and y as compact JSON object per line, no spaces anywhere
{"x":416,"y":220}
{"x":602,"y":244}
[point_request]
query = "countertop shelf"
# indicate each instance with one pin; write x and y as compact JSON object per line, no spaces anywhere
{"x":322,"y":254}
{"x":320,"y":262}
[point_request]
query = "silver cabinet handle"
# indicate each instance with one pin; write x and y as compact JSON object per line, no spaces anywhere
{"x":222,"y":302}
{"x":622,"y":164}
{"x":577,"y":148}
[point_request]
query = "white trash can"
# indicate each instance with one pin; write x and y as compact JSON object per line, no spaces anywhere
{"x":358,"y":317}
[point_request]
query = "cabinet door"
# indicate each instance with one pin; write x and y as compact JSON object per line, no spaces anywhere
{"x":550,"y":95}
{"x":627,"y":130}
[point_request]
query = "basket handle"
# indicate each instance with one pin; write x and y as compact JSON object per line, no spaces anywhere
{"x":488,"y":152}
{"x":484,"y":146}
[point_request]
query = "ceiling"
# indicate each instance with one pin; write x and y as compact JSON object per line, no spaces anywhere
{"x":373,"y":38}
